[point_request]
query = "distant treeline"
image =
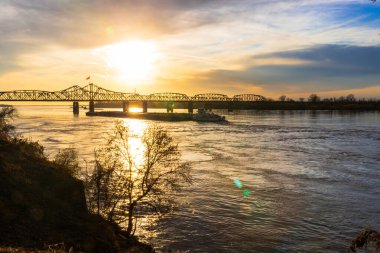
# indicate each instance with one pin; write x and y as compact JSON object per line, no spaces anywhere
{"x":314,"y":98}
{"x":313,"y":102}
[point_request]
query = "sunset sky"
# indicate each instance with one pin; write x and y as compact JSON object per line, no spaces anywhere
{"x":267,"y":47}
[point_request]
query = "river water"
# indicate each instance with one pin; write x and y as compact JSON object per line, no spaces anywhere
{"x":309,"y":181}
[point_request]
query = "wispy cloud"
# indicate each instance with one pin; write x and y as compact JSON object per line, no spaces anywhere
{"x":328,"y":67}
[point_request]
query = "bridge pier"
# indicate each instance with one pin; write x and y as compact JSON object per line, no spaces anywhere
{"x":230,"y":106}
{"x":126,"y":106}
{"x":208,"y":106}
{"x":145,"y":106}
{"x":76,"y":107}
{"x":169,"y":106}
{"x":190,"y":107}
{"x":91,"y":106}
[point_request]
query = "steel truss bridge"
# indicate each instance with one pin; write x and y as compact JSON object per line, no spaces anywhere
{"x":93,"y":92}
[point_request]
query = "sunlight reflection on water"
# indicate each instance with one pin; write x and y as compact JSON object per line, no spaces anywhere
{"x":137,"y":149}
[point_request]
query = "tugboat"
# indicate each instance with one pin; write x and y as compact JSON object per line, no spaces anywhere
{"x":203,"y":116}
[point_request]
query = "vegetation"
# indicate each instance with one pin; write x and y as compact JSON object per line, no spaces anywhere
{"x":8,"y":136}
{"x":6,"y":130}
{"x":125,"y":182}
{"x":314,"y":98}
{"x":368,"y":238}
{"x":42,"y":204}
{"x":67,"y":159}
{"x":282,"y":98}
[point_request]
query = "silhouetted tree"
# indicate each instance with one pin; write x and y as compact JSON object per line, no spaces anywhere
{"x":341,"y":99}
{"x":8,"y":134}
{"x":350,"y":98}
{"x":67,"y":159}
{"x":124,"y":183}
{"x":282,"y":98}
{"x":301,"y":99}
{"x":313,"y":98}
{"x":6,"y":114}
{"x":289,"y":100}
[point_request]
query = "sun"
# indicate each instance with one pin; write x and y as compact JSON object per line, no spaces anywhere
{"x":134,"y":61}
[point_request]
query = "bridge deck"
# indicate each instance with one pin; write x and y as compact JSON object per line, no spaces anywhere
{"x":93,"y":92}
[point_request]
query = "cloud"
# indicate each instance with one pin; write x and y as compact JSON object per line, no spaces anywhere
{"x":340,"y":59}
{"x":32,"y":26}
{"x":321,"y":68}
{"x":9,"y":52}
{"x":84,"y":23}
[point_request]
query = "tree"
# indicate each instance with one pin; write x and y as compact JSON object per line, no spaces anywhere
{"x":313,"y":98}
{"x":289,"y":100}
{"x":67,"y":159}
{"x":341,"y":99}
{"x":6,"y":114}
{"x":125,"y":182}
{"x":350,"y":98}
{"x":282,"y":98}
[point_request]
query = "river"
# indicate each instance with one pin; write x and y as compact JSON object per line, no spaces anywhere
{"x":309,"y":181}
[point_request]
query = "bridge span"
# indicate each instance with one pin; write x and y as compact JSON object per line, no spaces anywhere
{"x":91,"y":93}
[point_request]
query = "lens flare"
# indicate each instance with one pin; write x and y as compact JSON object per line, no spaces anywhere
{"x":238,"y":183}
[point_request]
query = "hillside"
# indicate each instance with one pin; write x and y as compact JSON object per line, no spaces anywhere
{"x":41,"y":205}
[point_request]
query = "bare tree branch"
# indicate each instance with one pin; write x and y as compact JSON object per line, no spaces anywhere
{"x":120,"y":186}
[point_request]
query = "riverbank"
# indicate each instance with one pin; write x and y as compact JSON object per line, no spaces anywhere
{"x":42,"y":205}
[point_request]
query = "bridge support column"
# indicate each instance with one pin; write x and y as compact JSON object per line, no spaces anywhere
{"x":126,"y":106}
{"x":145,"y":106}
{"x":76,"y":107}
{"x":190,"y":107}
{"x":230,"y":106}
{"x":208,"y":106}
{"x":169,"y":106}
{"x":91,"y":106}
